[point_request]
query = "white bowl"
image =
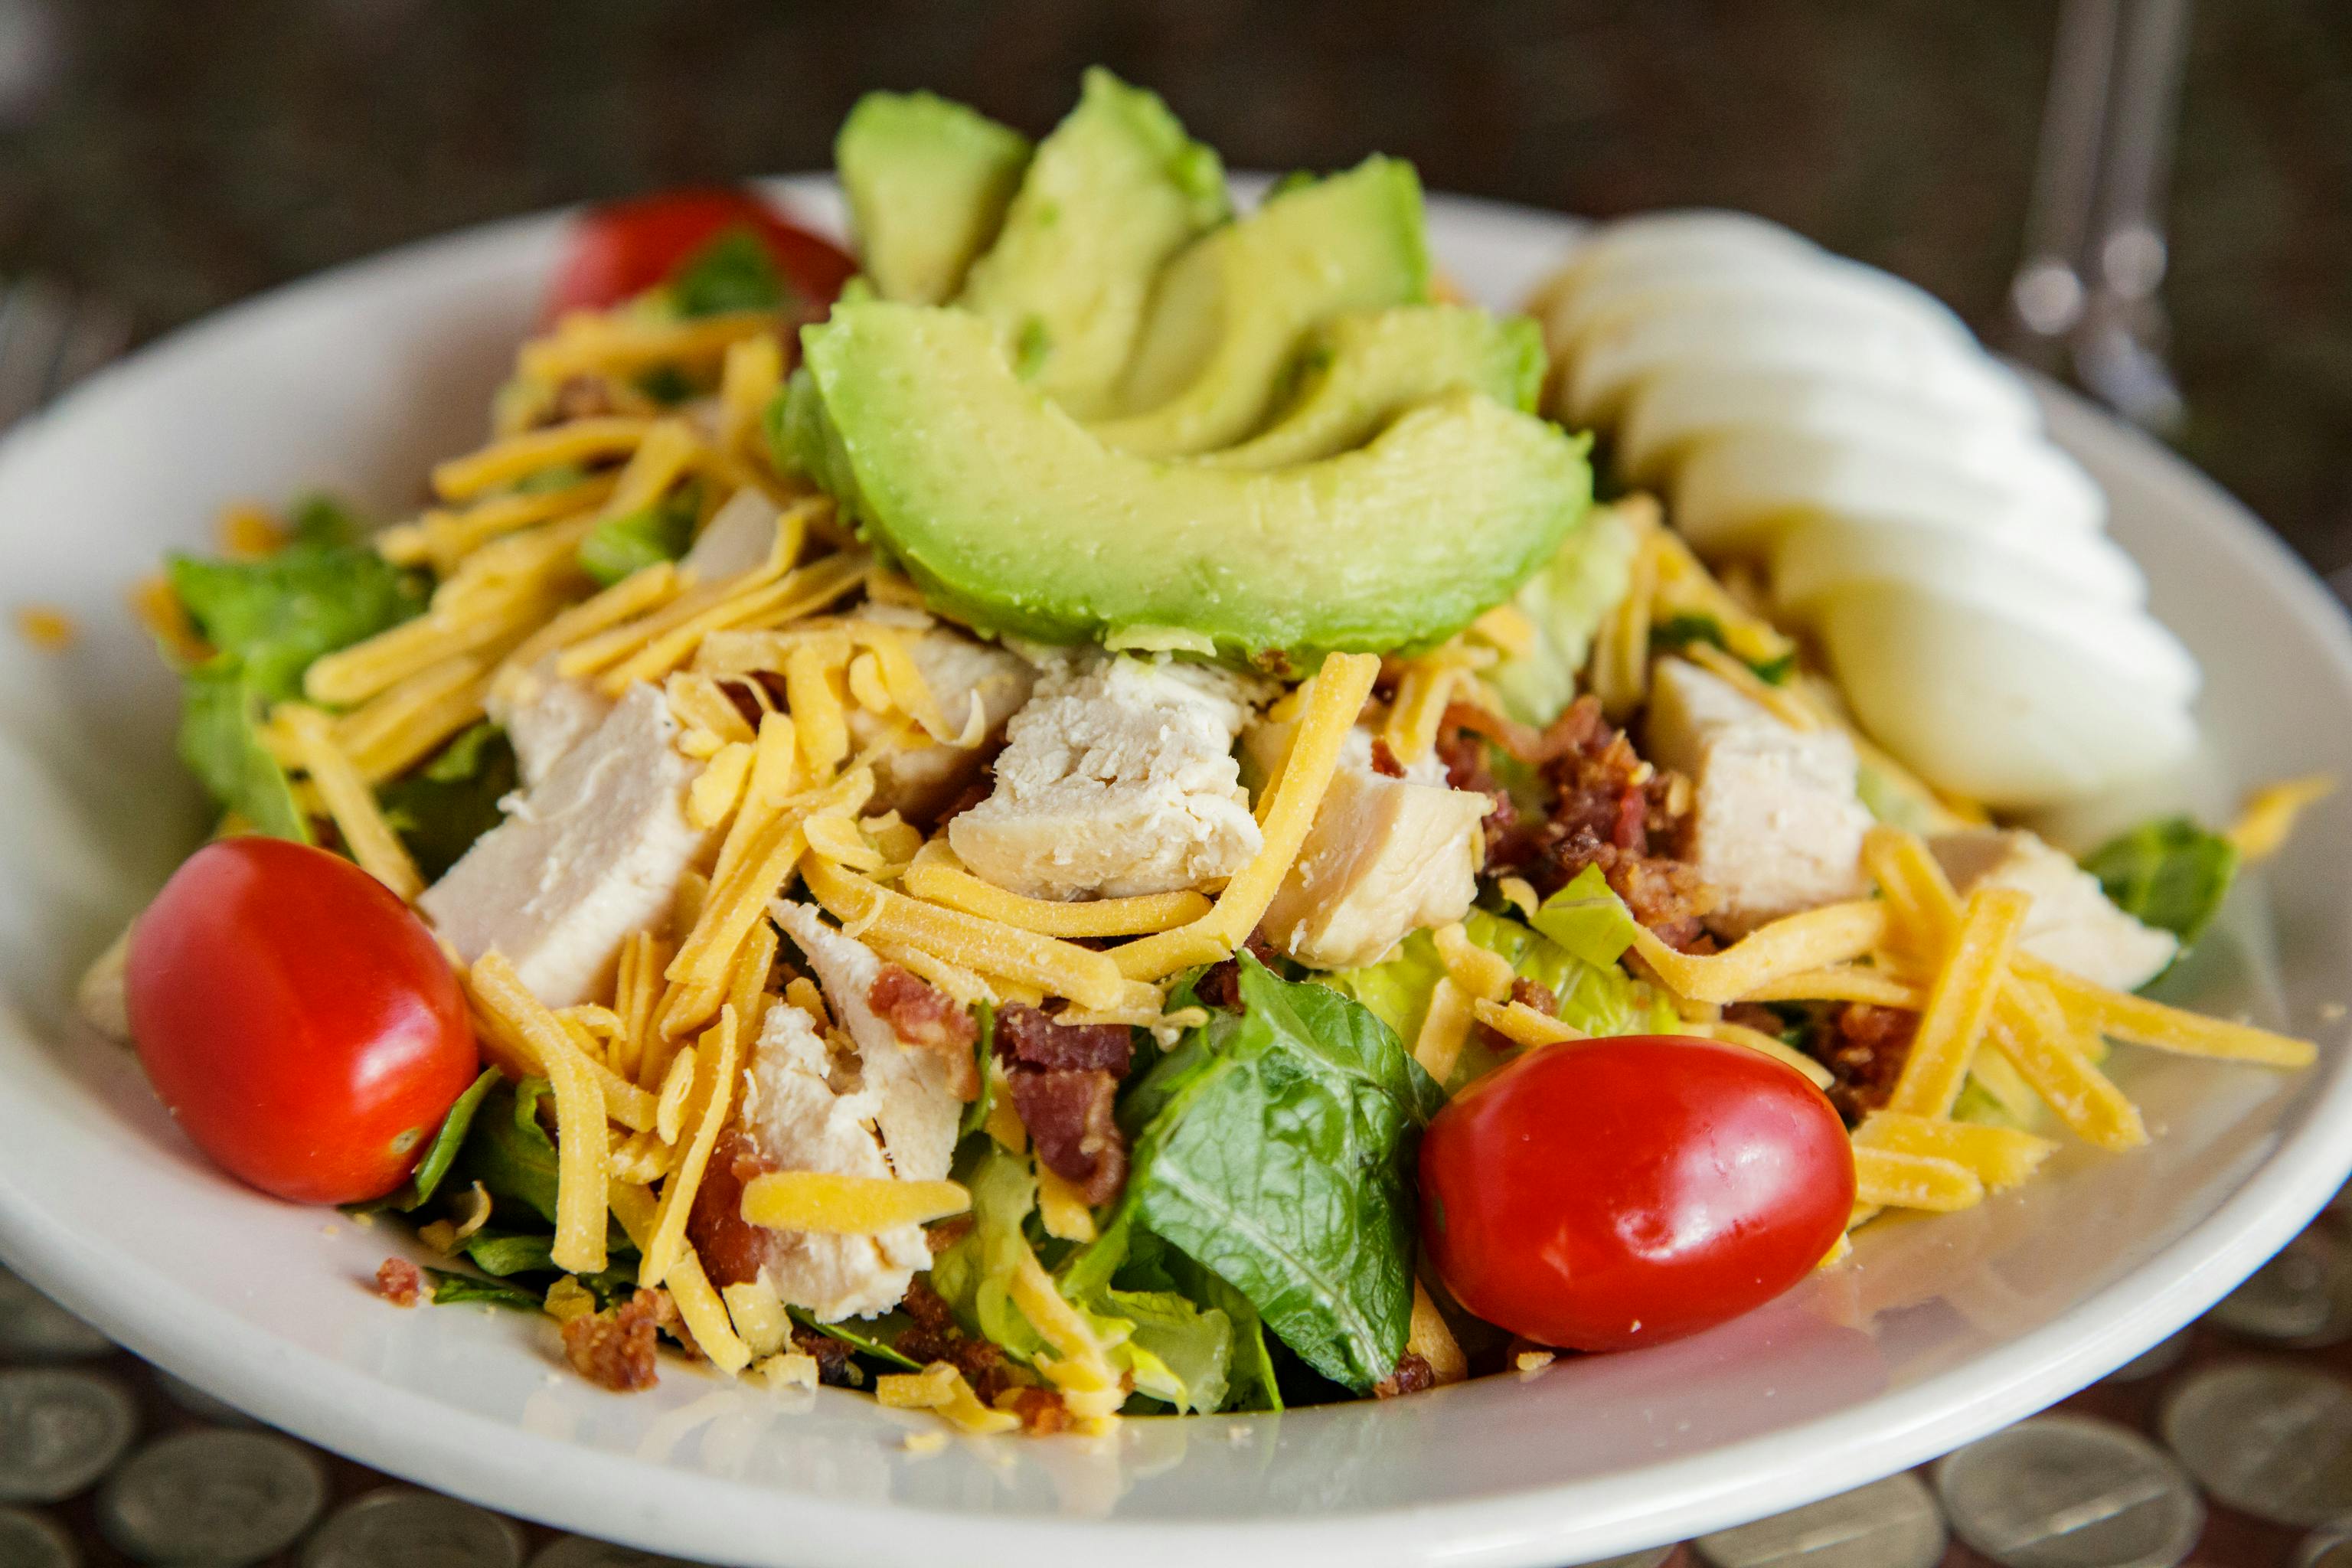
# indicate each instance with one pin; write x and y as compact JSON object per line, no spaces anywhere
{"x":1941,"y":1329}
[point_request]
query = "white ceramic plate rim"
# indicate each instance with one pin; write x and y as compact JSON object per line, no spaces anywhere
{"x":341,"y":1407}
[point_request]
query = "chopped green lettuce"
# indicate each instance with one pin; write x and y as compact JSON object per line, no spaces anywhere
{"x":451,"y":1289}
{"x":1596,"y":998}
{"x":1588,"y":919}
{"x":660,"y":530}
{"x":2168,"y":873}
{"x":444,"y":806}
{"x":221,"y":714}
{"x":1566,"y":601}
{"x":267,"y":621}
{"x":442,"y":1153}
{"x":1274,"y":1148}
{"x":510,"y":1154}
{"x":874,"y":1336}
{"x":732,"y":271}
{"x":276,"y":615}
{"x":1177,"y":1351}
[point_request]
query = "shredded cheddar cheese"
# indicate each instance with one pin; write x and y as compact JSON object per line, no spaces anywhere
{"x":2264,"y":827}
{"x":935,"y":875}
{"x":518,"y":456}
{"x":349,"y":800}
{"x":1834,"y":934}
{"x":581,"y":1148}
{"x":1521,"y":1025}
{"x":1765,"y":1044}
{"x":835,"y":1204}
{"x":2000,"y":1156}
{"x":941,"y":1388}
{"x":1444,"y":1029}
{"x":1891,"y":1180}
{"x":760,"y":1318}
{"x":1088,"y":978}
{"x":714,"y":1094}
{"x":1063,"y":1211}
{"x":1334,"y":698}
{"x":1960,"y":1003}
{"x":45,"y":627}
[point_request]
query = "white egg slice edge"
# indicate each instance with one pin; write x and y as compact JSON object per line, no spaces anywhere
{"x":1994,"y":707}
{"x":1664,"y":414}
{"x":1814,"y":556}
{"x":1824,"y":337}
{"x":1732,"y":493}
{"x":1767,"y":282}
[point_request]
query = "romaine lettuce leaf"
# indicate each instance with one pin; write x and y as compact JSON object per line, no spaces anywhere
{"x":443,"y":807}
{"x":1599,"y":998}
{"x":510,"y":1154}
{"x":276,"y":615}
{"x":451,"y":1289}
{"x":732,"y":271}
{"x":2168,"y":873}
{"x":267,"y":620}
{"x":1566,"y":599}
{"x":221,"y":714}
{"x":1588,"y":919}
{"x":443,"y":1154}
{"x":1274,"y":1148}
{"x":1177,"y":1351}
{"x":661,"y":530}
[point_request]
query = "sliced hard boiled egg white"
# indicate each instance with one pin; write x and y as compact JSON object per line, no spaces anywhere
{"x":1669,"y":411}
{"x":1815,"y":556}
{"x":2004,"y":707}
{"x":1826,"y":335}
{"x":1766,"y":283}
{"x":1733,"y":493}
{"x":1634,"y":243}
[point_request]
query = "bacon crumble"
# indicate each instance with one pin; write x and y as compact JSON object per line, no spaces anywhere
{"x":922,"y":1014}
{"x":1063,"y":1079}
{"x":399,"y":1281}
{"x":616,"y":1348}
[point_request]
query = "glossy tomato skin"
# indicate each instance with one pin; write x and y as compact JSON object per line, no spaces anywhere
{"x":1601,"y":1195}
{"x":300,"y":1022}
{"x":620,"y":250}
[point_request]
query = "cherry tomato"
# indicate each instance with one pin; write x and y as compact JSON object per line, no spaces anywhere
{"x":620,"y":250}
{"x":1600,"y":1194}
{"x":299,"y":1021}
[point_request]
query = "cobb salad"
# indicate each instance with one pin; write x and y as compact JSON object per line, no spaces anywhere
{"x":1077,"y":810}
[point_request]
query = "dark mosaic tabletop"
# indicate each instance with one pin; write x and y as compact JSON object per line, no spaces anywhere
{"x":172,"y":155}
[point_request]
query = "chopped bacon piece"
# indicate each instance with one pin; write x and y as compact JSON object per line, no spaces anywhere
{"x":399,"y":1281}
{"x":1219,"y":986}
{"x":922,"y":1014}
{"x":1026,"y":1036}
{"x":1536,"y":994}
{"x":1068,"y":1115}
{"x":580,"y":397}
{"x":731,"y":1249}
{"x":834,"y":1367}
{"x":1384,"y":761}
{"x":1864,"y":1048}
{"x":947,"y":1232}
{"x":1412,"y":1374}
{"x":614,"y":1348}
{"x":1042,"y":1411}
{"x":937,"y":1336}
{"x":1605,"y":806}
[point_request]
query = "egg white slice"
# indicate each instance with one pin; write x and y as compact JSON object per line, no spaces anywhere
{"x":2005,"y":710}
{"x":1831,"y":336}
{"x":1815,"y":556}
{"x":1633,"y":243}
{"x":1731,"y":494}
{"x":1665,"y":413}
{"x":1769,"y":282}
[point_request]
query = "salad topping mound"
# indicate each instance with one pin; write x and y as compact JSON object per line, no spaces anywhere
{"x":1090,"y":820}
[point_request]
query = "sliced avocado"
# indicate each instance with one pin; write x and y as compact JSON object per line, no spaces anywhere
{"x":1014,"y":516}
{"x":1362,"y":371}
{"x":1231,"y":313}
{"x":1112,"y":193}
{"x":928,"y":182}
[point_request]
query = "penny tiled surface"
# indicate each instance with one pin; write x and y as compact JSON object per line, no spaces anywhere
{"x":2221,"y":1449}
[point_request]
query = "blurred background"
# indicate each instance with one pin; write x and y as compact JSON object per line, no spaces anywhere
{"x":173,"y":155}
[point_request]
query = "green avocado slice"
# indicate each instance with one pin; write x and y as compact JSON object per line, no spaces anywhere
{"x":1362,"y":371}
{"x":928,"y":182}
{"x":1015,"y":516}
{"x":1231,"y":313}
{"x":1111,"y":194}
